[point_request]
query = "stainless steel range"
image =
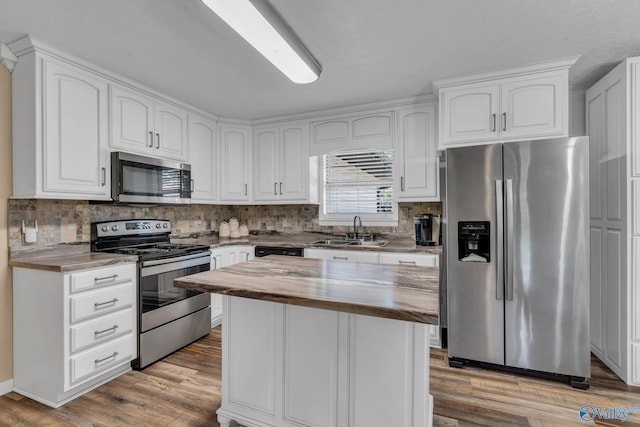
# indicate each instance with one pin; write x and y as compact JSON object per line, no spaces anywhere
{"x":168,"y":317}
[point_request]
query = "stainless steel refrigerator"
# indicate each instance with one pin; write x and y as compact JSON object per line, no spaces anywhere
{"x":517,"y":253}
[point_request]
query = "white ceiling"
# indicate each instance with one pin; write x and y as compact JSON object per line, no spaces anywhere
{"x":370,"y":50}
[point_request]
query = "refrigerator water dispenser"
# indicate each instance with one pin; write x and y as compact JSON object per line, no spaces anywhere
{"x":473,"y":241}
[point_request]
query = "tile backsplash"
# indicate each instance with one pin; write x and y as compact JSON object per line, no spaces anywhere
{"x":69,"y":221}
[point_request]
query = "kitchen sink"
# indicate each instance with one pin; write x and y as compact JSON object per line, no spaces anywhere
{"x":350,"y":242}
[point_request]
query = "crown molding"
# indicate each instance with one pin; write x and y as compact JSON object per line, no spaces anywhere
{"x":7,"y":58}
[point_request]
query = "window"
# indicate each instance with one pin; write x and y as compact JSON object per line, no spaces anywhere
{"x":358,"y":183}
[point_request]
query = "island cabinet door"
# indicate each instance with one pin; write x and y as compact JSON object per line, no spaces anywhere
{"x":311,"y":356}
{"x":396,"y":395}
{"x":252,"y":348}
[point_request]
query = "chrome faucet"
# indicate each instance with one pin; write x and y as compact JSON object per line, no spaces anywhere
{"x":355,"y":226}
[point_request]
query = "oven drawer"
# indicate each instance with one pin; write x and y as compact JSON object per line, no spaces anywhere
{"x":101,"y":330}
{"x":97,"y":278}
{"x":102,"y":359}
{"x":87,"y":305}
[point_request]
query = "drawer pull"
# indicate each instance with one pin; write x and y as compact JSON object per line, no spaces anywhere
{"x":341,"y":257}
{"x":104,"y":331}
{"x":407,"y":262}
{"x":100,"y":304}
{"x":100,"y":279}
{"x":113,"y":356}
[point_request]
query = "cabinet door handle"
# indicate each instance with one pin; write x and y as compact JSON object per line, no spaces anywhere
{"x":275,"y":188}
{"x":341,"y":257}
{"x":104,"y":176}
{"x":104,"y":331}
{"x":494,"y":122}
{"x":100,"y":279}
{"x":158,"y":141}
{"x":245,"y":189}
{"x":504,"y":121}
{"x":407,"y":262}
{"x":150,"y":139}
{"x":402,"y":183}
{"x":281,"y":189}
{"x":104,"y":359}
{"x":100,"y":304}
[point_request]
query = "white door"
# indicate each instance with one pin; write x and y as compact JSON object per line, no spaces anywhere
{"x":532,"y":106}
{"x":234,"y":158}
{"x":266,"y":171}
{"x":294,"y":163}
{"x":470,"y":114}
{"x":75,"y":131}
{"x":170,"y":139}
{"x":203,"y":151}
{"x":132,"y":118}
{"x":417,"y":159}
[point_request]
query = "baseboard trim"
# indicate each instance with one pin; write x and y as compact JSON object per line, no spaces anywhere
{"x":6,"y":386}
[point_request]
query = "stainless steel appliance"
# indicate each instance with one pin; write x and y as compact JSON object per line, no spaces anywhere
{"x":427,"y":228}
{"x":168,"y":317}
{"x":140,"y":179}
{"x":518,"y":258}
{"x":261,"y":251}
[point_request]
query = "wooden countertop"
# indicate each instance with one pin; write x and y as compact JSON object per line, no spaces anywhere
{"x":60,"y":262}
{"x":392,"y":291}
{"x":397,"y":242}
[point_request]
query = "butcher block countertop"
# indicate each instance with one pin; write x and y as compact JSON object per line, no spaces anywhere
{"x":399,"y":292}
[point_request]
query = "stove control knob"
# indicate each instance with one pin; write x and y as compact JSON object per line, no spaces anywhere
{"x":105,"y":228}
{"x":114,"y":228}
{"x":158,"y":225}
{"x":165,"y":225}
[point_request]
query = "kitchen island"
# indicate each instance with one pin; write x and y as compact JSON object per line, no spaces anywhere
{"x":309,"y":342}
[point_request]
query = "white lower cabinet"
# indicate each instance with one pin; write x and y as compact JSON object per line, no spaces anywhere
{"x":321,"y":368}
{"x":72,"y":331}
{"x":341,"y":255}
{"x":223,"y":257}
{"x":402,"y":258}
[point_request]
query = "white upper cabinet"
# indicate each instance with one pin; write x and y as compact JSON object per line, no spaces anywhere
{"x":509,"y":105}
{"x":60,"y":130}
{"x":146,"y":125}
{"x":371,"y":130}
{"x":416,"y":157}
{"x":203,"y":151}
{"x":235,"y":161}
{"x":281,"y":169}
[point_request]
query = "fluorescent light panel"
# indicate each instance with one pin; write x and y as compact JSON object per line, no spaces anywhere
{"x":264,"y":29}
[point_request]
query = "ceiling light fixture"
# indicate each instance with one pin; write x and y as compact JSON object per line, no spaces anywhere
{"x":260,"y":25}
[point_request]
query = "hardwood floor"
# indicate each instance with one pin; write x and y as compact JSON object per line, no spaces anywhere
{"x":184,"y":390}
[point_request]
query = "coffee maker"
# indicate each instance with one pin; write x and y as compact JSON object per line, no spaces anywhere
{"x":427,"y":229}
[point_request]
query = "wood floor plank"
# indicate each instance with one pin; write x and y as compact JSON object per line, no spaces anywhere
{"x":184,"y":389}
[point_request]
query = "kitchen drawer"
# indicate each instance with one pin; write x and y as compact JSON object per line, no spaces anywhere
{"x":87,"y":305}
{"x":97,"y":278}
{"x":101,"y":359}
{"x":103,"y":329}
{"x":424,"y":260}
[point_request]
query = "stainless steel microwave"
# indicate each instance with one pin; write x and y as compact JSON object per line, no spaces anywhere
{"x":140,"y":179}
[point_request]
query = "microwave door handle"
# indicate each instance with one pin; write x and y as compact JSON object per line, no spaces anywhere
{"x":499,"y":240}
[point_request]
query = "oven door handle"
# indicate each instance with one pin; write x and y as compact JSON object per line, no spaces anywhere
{"x":150,"y":268}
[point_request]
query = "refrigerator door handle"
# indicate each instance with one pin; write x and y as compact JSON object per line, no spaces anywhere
{"x":499,"y":240}
{"x":509,"y":246}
